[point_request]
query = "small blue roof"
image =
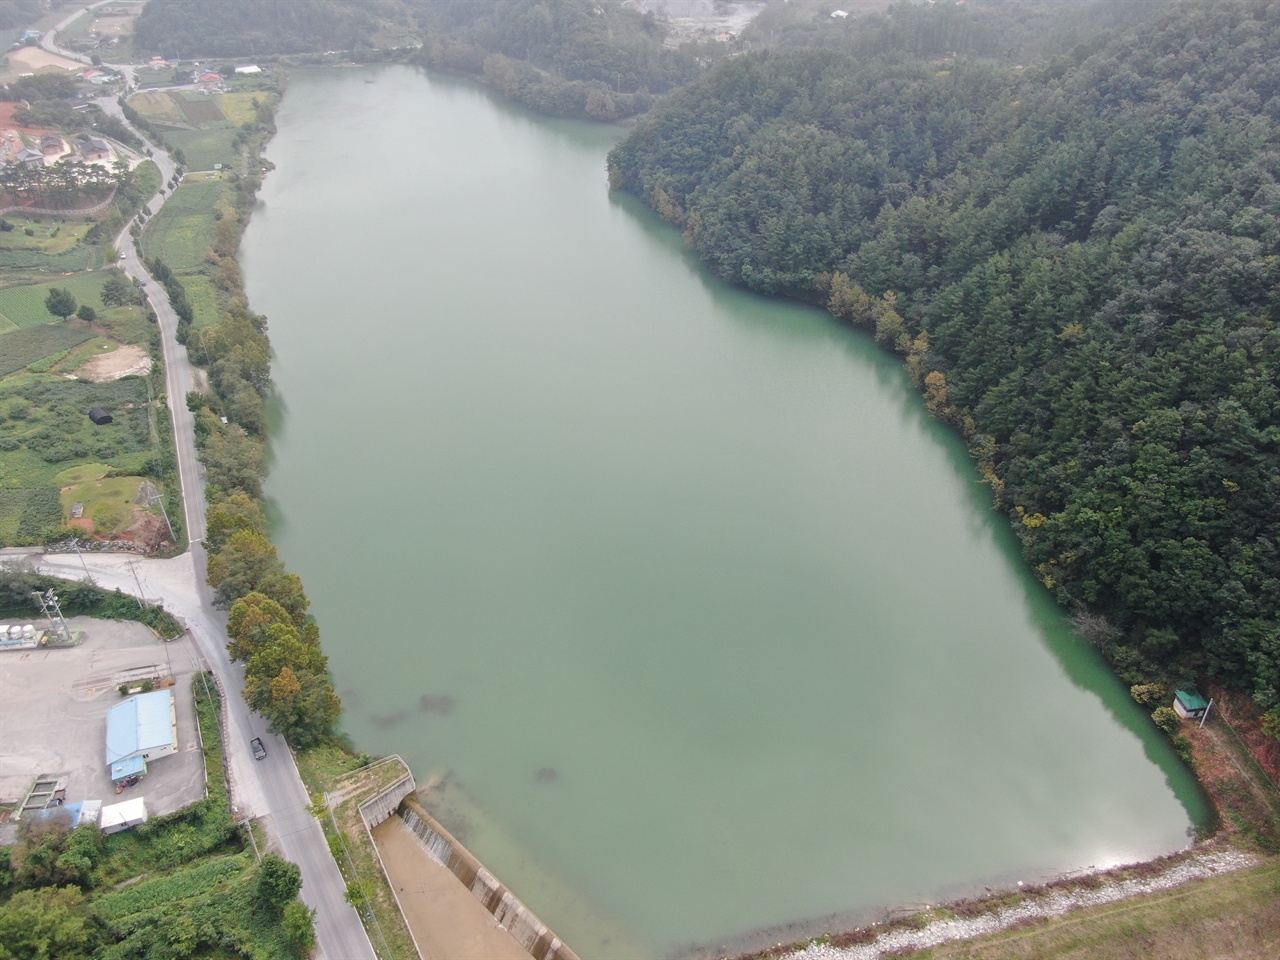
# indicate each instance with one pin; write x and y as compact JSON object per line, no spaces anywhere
{"x":127,"y":768}
{"x":141,"y":723}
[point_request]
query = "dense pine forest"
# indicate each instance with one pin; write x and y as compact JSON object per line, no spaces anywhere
{"x":1078,"y":258}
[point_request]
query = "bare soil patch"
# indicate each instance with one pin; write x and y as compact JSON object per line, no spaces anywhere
{"x":36,"y":60}
{"x":121,"y":362}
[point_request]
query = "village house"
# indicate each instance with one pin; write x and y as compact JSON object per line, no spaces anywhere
{"x":30,"y":158}
{"x":94,"y":150}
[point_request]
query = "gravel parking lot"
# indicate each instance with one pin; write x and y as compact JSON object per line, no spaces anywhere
{"x":53,"y":715}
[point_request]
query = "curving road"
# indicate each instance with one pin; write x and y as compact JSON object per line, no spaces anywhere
{"x":270,"y":789}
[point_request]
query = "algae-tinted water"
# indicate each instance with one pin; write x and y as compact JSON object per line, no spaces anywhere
{"x":713,"y":624}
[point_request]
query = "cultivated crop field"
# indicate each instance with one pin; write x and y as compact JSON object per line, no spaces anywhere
{"x":20,"y":348}
{"x":239,"y":107}
{"x":24,"y":305}
{"x":155,"y":106}
{"x":204,"y":148}
{"x":183,"y":229}
{"x":197,"y":108}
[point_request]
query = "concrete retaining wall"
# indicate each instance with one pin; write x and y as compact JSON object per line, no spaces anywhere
{"x":378,"y":808}
{"x":517,"y":919}
{"x":92,"y":211}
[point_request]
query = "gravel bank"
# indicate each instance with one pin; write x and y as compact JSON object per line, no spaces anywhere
{"x":1052,"y":903}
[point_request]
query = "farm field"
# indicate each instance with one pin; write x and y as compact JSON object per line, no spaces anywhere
{"x":204,"y":148}
{"x":197,"y":108}
{"x":203,"y":299}
{"x":155,"y":105}
{"x":241,"y":108}
{"x":23,"y":305}
{"x":44,"y":429}
{"x":183,"y":229}
{"x":20,"y":348}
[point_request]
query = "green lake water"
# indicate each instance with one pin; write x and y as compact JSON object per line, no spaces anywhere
{"x":708,"y":628}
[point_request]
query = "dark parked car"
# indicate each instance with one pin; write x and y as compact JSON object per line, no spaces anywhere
{"x":259,"y":751}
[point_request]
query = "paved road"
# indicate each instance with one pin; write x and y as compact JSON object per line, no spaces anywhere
{"x":270,"y":788}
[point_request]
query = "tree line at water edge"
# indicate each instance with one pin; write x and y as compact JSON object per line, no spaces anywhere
{"x":1079,"y":261}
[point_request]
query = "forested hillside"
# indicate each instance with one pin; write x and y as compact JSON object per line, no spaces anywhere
{"x":224,"y":28}
{"x":1080,"y":262}
{"x":571,"y":58}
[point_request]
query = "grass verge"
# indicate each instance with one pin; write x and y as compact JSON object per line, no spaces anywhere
{"x":339,"y":781}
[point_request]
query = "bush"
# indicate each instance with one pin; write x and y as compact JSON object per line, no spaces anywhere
{"x":1149,"y":694}
{"x":1167,"y":719}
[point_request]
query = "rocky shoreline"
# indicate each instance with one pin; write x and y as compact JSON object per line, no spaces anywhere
{"x":974,"y":918}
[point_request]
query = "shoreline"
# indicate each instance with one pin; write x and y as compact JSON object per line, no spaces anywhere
{"x":969,"y":918}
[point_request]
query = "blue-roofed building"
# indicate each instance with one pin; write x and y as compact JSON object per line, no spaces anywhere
{"x":141,"y":728}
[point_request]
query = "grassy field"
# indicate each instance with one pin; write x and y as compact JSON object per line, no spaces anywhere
{"x":203,"y":299}
{"x":1235,"y":916}
{"x":182,"y":230}
{"x":48,"y":234}
{"x":23,"y":305}
{"x":203,"y":148}
{"x":108,"y":501}
{"x":44,"y":430}
{"x":127,"y":324}
{"x":240,"y":108}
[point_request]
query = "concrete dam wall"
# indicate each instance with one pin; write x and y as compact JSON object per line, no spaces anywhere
{"x":517,"y":919}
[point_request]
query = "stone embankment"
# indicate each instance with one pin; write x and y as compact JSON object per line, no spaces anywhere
{"x":1053,"y":902}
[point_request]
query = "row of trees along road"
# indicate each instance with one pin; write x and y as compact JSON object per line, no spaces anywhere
{"x":1080,"y":262}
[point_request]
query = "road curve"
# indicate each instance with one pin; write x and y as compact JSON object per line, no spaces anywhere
{"x":271,"y":788}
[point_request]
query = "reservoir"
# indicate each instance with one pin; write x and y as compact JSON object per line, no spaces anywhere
{"x":707,"y":630}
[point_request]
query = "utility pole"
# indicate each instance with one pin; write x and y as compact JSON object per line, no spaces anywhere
{"x":87,"y":575}
{"x":133,"y":568}
{"x":153,"y":498}
{"x":249,"y":826}
{"x":1205,"y":716}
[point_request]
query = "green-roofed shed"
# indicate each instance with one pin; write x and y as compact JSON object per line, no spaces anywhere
{"x":1189,"y":704}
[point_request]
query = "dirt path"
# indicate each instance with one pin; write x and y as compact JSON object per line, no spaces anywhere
{"x":447,"y":922}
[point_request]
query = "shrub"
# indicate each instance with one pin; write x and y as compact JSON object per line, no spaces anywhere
{"x":1167,"y":719}
{"x":1149,"y":694}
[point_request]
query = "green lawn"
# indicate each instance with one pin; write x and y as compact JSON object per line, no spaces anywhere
{"x":23,"y":305}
